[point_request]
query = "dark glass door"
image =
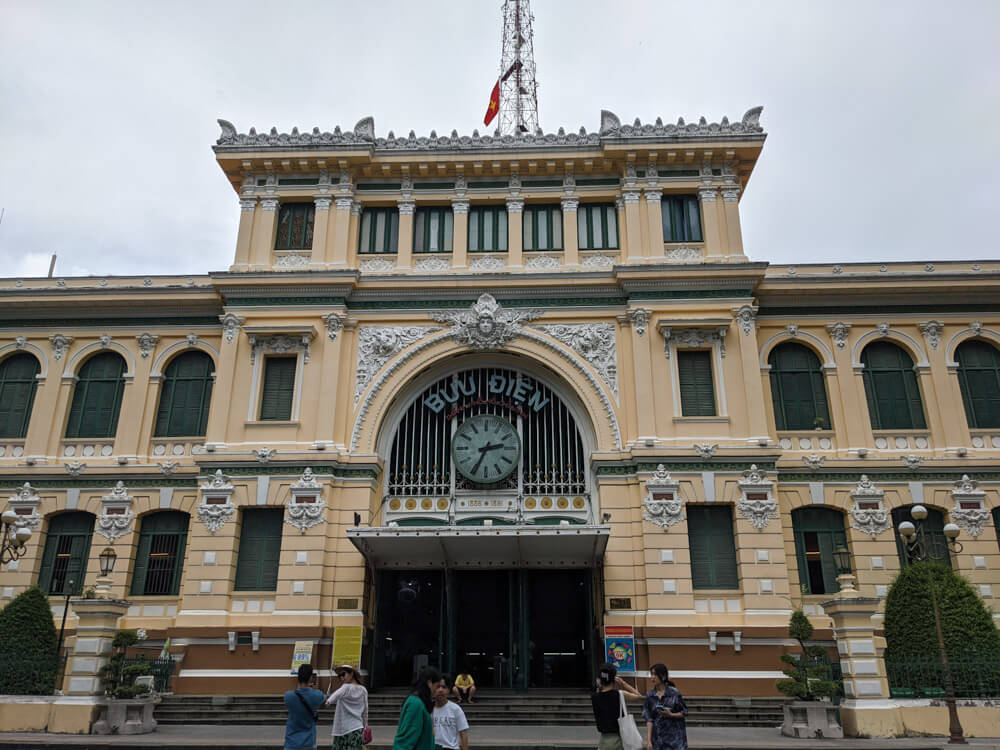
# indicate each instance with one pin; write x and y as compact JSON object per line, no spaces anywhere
{"x":558,"y":627}
{"x":409,"y":622}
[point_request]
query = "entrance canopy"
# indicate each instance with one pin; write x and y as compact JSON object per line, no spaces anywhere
{"x":481,"y":546}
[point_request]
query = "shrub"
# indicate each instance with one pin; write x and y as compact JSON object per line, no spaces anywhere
{"x":971,"y":639}
{"x":809,"y":672}
{"x":118,"y":679}
{"x":28,"y":659}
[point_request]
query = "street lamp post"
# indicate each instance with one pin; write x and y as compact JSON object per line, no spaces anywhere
{"x":918,"y":550}
{"x":15,"y":537}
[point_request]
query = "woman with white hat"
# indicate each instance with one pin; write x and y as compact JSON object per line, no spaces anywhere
{"x":350,"y":720}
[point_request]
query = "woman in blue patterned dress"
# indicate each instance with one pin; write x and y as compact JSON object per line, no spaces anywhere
{"x":664,"y":712}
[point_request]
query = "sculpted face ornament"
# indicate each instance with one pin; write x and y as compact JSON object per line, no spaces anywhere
{"x":486,"y":325}
{"x":662,"y":506}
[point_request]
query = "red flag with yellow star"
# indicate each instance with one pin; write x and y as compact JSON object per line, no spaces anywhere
{"x":494,"y":105}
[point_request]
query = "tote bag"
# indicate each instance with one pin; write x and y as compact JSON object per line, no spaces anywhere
{"x":631,"y":739}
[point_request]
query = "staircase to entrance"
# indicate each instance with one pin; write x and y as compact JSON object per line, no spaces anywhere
{"x":494,"y":708}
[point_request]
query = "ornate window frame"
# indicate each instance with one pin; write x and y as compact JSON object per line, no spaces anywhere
{"x":705,"y":333}
{"x":266,"y":340}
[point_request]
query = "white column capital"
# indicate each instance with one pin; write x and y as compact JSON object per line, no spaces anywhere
{"x":248,"y":204}
{"x":460,"y":206}
{"x":406,"y":207}
{"x":322,"y":203}
{"x":570,"y":204}
{"x":515,"y":205}
{"x":653,"y":196}
{"x":269,"y":204}
{"x":631,"y":197}
{"x":708,"y":195}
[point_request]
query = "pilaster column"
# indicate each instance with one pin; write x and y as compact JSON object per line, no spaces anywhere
{"x":571,"y":238}
{"x":711,"y":216}
{"x":132,"y":407}
{"x":654,"y":218}
{"x":96,"y":628}
{"x":460,"y":234}
{"x":404,"y":253}
{"x":353,"y":229}
{"x":244,"y":236}
{"x":321,"y":226}
{"x":265,"y":226}
{"x":633,"y":228}
{"x":862,"y":659}
{"x":515,"y":232}
{"x":341,"y":242}
{"x":731,"y":211}
{"x":224,"y":387}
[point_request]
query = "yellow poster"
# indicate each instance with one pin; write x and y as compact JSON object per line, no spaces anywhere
{"x":347,"y":645}
{"x":301,"y":654}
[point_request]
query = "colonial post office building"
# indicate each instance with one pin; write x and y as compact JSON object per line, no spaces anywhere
{"x":484,"y":396}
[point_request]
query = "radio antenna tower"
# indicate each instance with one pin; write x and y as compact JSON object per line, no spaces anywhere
{"x":518,"y":88}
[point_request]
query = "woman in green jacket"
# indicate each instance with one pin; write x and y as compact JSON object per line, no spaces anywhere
{"x":416,"y":729}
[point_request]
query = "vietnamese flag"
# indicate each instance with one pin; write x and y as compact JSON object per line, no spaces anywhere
{"x":494,"y":105}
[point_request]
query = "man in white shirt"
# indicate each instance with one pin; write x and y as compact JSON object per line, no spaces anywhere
{"x":451,"y":728}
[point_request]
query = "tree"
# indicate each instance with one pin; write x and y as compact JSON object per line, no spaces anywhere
{"x":809,"y":673}
{"x":118,"y":679}
{"x":28,"y":659}
{"x":971,"y":639}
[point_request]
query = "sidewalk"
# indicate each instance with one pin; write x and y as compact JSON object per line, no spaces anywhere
{"x":212,"y":737}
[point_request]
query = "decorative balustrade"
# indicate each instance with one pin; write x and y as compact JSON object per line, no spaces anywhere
{"x":808,"y":440}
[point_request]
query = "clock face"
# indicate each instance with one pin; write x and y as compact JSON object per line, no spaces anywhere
{"x":486,"y":448}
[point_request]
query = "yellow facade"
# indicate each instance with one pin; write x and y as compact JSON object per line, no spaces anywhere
{"x":366,"y":334}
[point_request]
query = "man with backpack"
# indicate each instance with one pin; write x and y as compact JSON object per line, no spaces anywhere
{"x":302,"y":704}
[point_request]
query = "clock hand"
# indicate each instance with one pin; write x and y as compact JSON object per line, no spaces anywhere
{"x":482,"y":454}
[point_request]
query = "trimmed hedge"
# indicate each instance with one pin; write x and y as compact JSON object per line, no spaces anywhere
{"x":28,"y":660}
{"x":972,"y":641}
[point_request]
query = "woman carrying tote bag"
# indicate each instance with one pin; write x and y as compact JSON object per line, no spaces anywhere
{"x":617,"y":727}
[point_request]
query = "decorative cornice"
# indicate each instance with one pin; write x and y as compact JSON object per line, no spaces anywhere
{"x":611,"y":129}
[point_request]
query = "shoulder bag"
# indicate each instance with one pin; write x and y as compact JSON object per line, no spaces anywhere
{"x":629,"y":732}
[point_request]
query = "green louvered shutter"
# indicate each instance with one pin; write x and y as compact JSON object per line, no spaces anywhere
{"x":141,"y":563}
{"x":713,"y":547}
{"x":48,"y":560}
{"x":77,"y":568}
{"x":260,"y":548}
{"x":185,"y":396}
{"x":97,"y":398}
{"x":979,"y":379}
{"x":18,"y":383}
{"x":279,"y":388}
{"x":694,"y":370}
{"x":891,"y":388}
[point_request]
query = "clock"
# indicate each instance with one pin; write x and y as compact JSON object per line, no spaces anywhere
{"x":486,"y":448}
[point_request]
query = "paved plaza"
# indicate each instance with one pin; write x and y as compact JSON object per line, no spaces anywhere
{"x":210,"y":737}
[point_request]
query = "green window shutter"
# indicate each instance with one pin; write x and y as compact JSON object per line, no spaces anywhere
{"x":97,"y":398}
{"x":713,"y":547}
{"x":798,"y":391}
{"x":597,"y":226}
{"x":48,"y":559}
{"x":18,"y":384}
{"x":681,"y":215}
{"x":433,"y":228}
{"x":77,"y":568}
{"x":825,"y":527}
{"x":185,"y":396}
{"x":141,"y":563}
{"x":996,"y":522}
{"x":891,"y":388}
{"x":379,"y":231}
{"x":279,"y":388}
{"x":295,"y":226}
{"x":694,"y":371}
{"x":979,"y":380}
{"x":260,"y":550}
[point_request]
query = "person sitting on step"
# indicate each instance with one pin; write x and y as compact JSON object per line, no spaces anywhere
{"x":465,"y":686}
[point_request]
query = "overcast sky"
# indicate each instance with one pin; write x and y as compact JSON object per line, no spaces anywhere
{"x":883,"y":117}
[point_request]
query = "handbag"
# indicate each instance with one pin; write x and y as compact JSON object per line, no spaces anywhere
{"x":315,"y":714}
{"x":629,"y":732}
{"x":367,"y":736}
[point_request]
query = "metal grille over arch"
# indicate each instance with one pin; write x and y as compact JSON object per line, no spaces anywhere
{"x":551,"y":471}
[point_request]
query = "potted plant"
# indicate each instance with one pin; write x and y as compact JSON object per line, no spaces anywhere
{"x":819,"y":424}
{"x":130,"y":706}
{"x":809,"y":682}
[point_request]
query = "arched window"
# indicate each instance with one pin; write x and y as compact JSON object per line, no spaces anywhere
{"x":891,"y":388}
{"x":819,"y":532}
{"x":64,"y":559}
{"x":17,"y":393}
{"x":934,"y":539}
{"x":159,"y":557}
{"x":185,"y":396}
{"x":979,"y":378}
{"x":797,"y":388}
{"x":97,"y":398}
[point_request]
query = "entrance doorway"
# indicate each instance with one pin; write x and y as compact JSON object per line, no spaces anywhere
{"x":510,"y":628}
